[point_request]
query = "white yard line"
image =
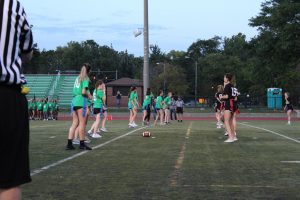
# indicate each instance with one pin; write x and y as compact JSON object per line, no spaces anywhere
{"x":38,"y":171}
{"x":292,"y":162}
{"x":273,"y":132}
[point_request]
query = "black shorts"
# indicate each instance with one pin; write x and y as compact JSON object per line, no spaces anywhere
{"x":218,"y":107}
{"x":231,"y":105}
{"x":14,"y":134}
{"x":77,"y":108}
{"x":289,"y":107}
{"x":98,"y":110}
{"x":179,"y":110}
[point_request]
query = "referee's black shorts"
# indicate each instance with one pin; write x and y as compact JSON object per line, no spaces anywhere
{"x":14,"y":138}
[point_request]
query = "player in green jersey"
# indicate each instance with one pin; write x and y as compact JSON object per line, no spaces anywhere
{"x":98,"y":99}
{"x":147,"y":107}
{"x":160,"y":111}
{"x":133,"y":105}
{"x":166,"y":106}
{"x":80,"y":95}
{"x":45,"y":109}
{"x":40,"y":104}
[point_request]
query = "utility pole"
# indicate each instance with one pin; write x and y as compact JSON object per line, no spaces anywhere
{"x":146,"y":49}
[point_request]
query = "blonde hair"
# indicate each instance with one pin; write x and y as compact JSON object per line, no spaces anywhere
{"x":84,"y":72}
{"x":220,"y":88}
{"x":287,"y":94}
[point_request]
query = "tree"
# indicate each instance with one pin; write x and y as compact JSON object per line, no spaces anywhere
{"x":278,"y":45}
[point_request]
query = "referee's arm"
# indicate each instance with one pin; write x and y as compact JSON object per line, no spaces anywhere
{"x":26,"y":44}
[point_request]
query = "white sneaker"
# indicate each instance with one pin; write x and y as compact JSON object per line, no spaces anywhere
{"x":104,"y":129}
{"x":226,"y":134}
{"x":229,"y":140}
{"x":96,"y":135}
{"x":87,"y":140}
{"x":90,"y":132}
{"x":289,"y":123}
{"x":134,"y":124}
{"x":219,"y":126}
{"x":235,"y":139}
{"x":75,"y":141}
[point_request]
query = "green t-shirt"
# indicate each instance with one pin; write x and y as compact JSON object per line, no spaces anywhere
{"x":55,"y":107}
{"x":40,"y":105}
{"x":159,"y":99}
{"x":97,"y":97}
{"x":30,"y":105}
{"x":50,"y":105}
{"x":78,"y":99}
{"x":167,"y":102}
{"x":147,"y":100}
{"x":46,"y":107}
{"x":33,"y":105}
{"x":133,"y":97}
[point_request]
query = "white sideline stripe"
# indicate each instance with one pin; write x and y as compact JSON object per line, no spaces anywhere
{"x":273,"y":132}
{"x":38,"y":171}
{"x":296,"y":162}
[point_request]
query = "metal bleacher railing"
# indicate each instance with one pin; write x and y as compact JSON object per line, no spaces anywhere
{"x":57,"y":87}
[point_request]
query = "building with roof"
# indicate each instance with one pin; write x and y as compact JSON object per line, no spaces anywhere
{"x":123,"y":85}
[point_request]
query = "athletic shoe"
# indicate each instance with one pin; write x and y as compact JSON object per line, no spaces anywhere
{"x":96,"y":136}
{"x":219,"y":126}
{"x":70,"y":147}
{"x":104,"y":129}
{"x":90,"y":132}
{"x":226,"y":134}
{"x":87,"y":140}
{"x":130,"y":126}
{"x":76,"y":141}
{"x":134,"y":124}
{"x":229,"y":140}
{"x":85,"y":147}
{"x":162,"y":124}
{"x":289,"y":123}
{"x":235,"y":139}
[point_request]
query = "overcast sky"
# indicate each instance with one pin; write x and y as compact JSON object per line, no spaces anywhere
{"x":174,"y":24}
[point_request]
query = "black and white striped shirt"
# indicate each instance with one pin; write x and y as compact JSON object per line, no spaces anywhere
{"x":15,"y":39}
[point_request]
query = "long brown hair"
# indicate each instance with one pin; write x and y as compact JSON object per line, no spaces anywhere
{"x":99,"y":82}
{"x":84,"y":72}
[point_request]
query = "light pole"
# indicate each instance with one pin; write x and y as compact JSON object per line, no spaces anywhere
{"x":146,"y":49}
{"x":196,"y":81}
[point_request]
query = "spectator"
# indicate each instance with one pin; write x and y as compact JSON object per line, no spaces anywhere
{"x":173,"y":109}
{"x":118,"y":97}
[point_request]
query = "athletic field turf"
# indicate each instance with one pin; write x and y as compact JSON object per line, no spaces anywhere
{"x":186,"y":160}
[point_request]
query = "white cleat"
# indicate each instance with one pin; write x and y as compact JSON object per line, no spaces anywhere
{"x":96,"y":136}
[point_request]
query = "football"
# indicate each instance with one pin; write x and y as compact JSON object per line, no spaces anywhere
{"x":146,"y":134}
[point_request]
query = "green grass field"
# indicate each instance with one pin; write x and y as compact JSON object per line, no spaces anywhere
{"x":184,"y":161}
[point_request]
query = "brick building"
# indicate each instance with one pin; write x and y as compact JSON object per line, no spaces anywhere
{"x":123,"y":85}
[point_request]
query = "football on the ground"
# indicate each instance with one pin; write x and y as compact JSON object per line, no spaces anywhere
{"x":146,"y":134}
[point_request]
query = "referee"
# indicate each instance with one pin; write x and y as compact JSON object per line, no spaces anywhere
{"x":16,"y":45}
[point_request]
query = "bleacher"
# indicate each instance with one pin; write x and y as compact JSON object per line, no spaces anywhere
{"x":39,"y":85}
{"x":66,"y":88}
{"x":52,"y":86}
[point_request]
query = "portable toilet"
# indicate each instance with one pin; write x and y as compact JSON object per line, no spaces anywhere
{"x":274,"y":98}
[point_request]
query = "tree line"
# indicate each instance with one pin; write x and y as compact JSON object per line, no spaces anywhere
{"x":270,"y":59}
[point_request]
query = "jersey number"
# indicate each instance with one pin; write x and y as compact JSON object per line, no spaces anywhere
{"x":234,"y":92}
